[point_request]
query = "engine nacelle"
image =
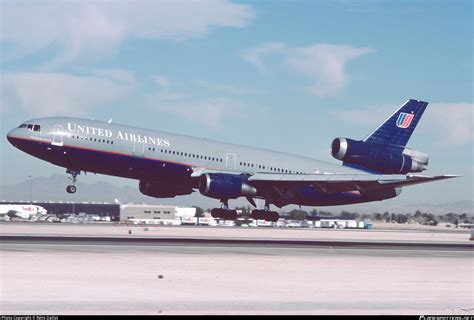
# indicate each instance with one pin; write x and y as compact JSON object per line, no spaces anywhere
{"x":164,"y":189}
{"x":379,"y":158}
{"x":380,"y":194}
{"x":419,"y":159}
{"x":225,"y":186}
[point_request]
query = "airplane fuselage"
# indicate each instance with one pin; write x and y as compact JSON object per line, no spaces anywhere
{"x":149,"y":155}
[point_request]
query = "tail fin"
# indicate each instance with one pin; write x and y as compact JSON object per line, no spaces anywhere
{"x":397,"y":129}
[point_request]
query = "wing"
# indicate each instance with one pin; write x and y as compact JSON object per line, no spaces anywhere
{"x":332,"y":183}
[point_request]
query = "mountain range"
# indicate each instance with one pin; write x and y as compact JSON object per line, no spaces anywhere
{"x":52,"y":188}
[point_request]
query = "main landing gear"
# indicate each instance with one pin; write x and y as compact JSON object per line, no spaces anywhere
{"x":72,"y":188}
{"x":265,"y":214}
{"x":224,"y":212}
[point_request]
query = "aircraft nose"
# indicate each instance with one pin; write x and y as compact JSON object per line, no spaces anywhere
{"x":11,"y":136}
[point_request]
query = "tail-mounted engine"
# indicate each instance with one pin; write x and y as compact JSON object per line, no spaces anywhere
{"x":379,"y":158}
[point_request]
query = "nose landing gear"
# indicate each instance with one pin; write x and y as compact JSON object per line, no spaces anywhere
{"x":72,"y":188}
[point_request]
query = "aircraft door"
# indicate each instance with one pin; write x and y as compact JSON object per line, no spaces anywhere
{"x":138,"y":149}
{"x":230,"y":161}
{"x":58,"y":135}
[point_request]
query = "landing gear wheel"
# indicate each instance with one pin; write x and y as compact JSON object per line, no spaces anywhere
{"x":216,"y":213}
{"x":273,"y":216}
{"x":71,"y":189}
{"x":257,"y":214}
{"x":224,"y":214}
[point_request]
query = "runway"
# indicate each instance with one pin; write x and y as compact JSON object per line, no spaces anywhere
{"x":125,"y":275}
{"x":212,"y":242}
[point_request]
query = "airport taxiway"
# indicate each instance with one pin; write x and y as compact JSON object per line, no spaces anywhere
{"x":57,"y":276}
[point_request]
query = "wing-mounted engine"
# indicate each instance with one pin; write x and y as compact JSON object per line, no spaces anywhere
{"x":225,"y":186}
{"x":379,"y":158}
{"x":165,"y":189}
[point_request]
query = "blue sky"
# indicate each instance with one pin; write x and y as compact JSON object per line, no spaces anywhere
{"x":289,"y":76}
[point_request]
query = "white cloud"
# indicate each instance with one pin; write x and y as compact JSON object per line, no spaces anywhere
{"x":51,"y":94}
{"x":323,"y":64}
{"x":90,"y":30}
{"x":454,"y":121}
{"x":221,"y":88}
{"x":369,"y":116}
{"x":117,"y":75}
{"x":255,"y":56}
{"x":208,"y":111}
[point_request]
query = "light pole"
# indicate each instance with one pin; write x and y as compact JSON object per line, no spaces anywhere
{"x":31,"y":187}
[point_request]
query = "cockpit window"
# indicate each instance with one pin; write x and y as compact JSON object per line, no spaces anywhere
{"x":32,"y":127}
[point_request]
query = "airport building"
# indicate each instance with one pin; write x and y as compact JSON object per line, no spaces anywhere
{"x":135,"y":213}
{"x":61,"y":209}
{"x":155,"y":214}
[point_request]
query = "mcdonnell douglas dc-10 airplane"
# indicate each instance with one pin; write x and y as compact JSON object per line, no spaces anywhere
{"x":169,"y":165}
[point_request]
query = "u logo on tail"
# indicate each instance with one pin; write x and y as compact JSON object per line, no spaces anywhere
{"x":404,"y":120}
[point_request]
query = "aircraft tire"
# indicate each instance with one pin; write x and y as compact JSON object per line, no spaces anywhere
{"x":257,"y":214}
{"x":216,"y":213}
{"x":272,"y":216}
{"x":230,"y":215}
